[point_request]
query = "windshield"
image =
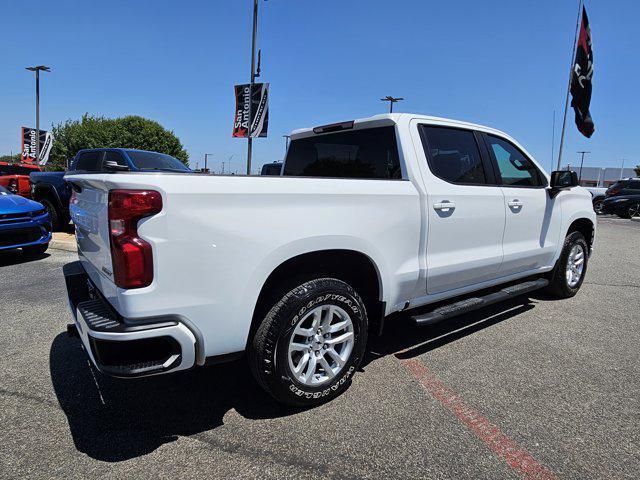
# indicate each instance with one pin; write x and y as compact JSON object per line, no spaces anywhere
{"x":4,"y":191}
{"x":156,"y":161}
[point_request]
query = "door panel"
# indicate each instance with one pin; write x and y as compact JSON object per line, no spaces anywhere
{"x":465,"y":214}
{"x":531,"y":231}
{"x":464,"y":243}
{"x":532,"y":225}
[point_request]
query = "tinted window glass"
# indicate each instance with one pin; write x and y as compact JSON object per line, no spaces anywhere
{"x":89,"y":161}
{"x":453,"y":155}
{"x":115,"y":157}
{"x":368,"y":153}
{"x":515,"y":169}
{"x":634,"y":184}
{"x":156,"y":161}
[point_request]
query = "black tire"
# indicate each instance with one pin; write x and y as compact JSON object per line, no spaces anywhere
{"x":54,"y":215}
{"x":633,"y":211}
{"x":558,"y":285}
{"x":35,"y":250}
{"x":268,"y":352}
{"x":597,"y":206}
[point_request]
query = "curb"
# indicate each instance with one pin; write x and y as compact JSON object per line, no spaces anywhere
{"x":66,"y":244}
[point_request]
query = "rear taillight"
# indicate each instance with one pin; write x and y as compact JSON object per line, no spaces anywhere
{"x":132,"y":256}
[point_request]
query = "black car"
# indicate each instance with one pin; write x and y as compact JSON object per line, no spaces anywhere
{"x":625,"y":206}
{"x":624,"y":186}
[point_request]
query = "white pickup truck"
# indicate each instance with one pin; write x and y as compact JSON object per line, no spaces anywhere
{"x":368,"y":217}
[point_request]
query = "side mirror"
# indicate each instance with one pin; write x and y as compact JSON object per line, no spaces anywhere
{"x":111,"y":166}
{"x":561,"y":179}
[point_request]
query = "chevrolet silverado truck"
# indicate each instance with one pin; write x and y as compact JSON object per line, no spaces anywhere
{"x":367,"y":218}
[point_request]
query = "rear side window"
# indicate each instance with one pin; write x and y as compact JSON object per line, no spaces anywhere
{"x":89,"y":162}
{"x":453,"y":155}
{"x":634,"y":184}
{"x":367,"y":153}
{"x":514,"y":167}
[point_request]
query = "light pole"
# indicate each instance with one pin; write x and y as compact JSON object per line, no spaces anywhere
{"x":205,"y":160}
{"x":581,"y":162}
{"x":391,"y":101}
{"x":253,"y":78}
{"x":37,"y":70}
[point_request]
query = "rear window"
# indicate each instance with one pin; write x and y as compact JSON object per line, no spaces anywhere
{"x":156,"y":161}
{"x":367,"y":153}
{"x":89,"y":162}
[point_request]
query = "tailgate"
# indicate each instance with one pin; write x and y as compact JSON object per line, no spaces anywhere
{"x":89,"y":213}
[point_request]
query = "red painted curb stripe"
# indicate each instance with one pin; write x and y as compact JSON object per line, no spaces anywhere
{"x":517,"y":458}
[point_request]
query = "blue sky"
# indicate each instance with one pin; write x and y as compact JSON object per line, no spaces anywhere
{"x":498,"y":63}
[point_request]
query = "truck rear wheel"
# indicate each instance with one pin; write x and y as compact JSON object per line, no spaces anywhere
{"x":568,"y":274}
{"x":310,"y":343}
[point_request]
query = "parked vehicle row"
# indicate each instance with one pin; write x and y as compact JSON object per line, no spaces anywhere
{"x":368,"y":217}
{"x":50,"y":188}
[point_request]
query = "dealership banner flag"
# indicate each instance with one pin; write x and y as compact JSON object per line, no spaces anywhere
{"x":251,"y":101}
{"x":45,"y":149}
{"x":29,"y":136}
{"x":581,"y":77}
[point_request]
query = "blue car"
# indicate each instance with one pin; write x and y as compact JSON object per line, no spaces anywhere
{"x":24,"y":224}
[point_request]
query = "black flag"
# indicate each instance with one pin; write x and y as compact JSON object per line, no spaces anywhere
{"x":581,"y":79}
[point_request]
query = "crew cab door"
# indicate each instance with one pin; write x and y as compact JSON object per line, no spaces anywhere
{"x":465,"y":209}
{"x":532,"y":227}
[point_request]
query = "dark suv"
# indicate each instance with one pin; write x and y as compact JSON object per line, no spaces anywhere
{"x":624,"y":186}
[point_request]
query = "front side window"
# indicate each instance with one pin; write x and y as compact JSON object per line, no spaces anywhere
{"x":111,"y":156}
{"x":368,"y":153}
{"x":514,"y":167}
{"x":144,"y":160}
{"x":453,"y":155}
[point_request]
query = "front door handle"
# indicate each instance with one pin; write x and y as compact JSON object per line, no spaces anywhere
{"x":444,"y":206}
{"x":515,"y":203}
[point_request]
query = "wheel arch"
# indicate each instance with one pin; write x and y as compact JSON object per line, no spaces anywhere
{"x":351,"y":266}
{"x":585,"y":226}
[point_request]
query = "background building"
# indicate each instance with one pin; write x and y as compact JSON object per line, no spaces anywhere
{"x":599,"y":176}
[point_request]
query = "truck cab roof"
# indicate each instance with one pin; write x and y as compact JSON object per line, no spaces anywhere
{"x":390,"y":119}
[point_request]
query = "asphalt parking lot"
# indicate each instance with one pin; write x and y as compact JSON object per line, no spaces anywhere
{"x":536,"y":388}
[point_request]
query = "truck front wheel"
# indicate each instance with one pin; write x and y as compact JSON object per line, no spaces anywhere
{"x":310,"y":343}
{"x":568,"y":274}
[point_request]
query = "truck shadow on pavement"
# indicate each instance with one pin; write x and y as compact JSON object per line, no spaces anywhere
{"x":15,"y":257}
{"x":115,"y":420}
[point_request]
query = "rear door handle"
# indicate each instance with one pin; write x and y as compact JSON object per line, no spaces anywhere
{"x":515,"y":203}
{"x":444,"y":206}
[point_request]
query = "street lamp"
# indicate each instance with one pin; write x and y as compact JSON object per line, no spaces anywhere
{"x":583,"y":152}
{"x":391,"y":101}
{"x":37,"y":70}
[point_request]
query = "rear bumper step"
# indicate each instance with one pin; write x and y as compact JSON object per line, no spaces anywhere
{"x":121,"y":347}
{"x":475,"y":303}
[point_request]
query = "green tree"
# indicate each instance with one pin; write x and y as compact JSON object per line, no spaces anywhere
{"x":10,"y":158}
{"x":100,"y":132}
{"x":637,"y":169}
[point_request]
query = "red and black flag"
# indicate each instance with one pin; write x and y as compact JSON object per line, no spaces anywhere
{"x":581,"y":78}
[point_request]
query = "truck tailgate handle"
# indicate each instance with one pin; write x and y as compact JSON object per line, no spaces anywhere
{"x":444,"y":206}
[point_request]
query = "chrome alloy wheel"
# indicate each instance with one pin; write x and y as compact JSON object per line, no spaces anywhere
{"x":320,"y":345}
{"x":575,"y":265}
{"x":634,"y":210}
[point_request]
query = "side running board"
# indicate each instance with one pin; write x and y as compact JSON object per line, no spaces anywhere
{"x":474,"y":303}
